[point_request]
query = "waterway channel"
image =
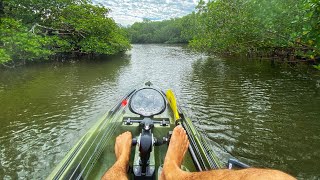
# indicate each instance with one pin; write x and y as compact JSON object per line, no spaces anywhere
{"x":264,"y":115}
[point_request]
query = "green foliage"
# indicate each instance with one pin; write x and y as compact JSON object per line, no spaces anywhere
{"x":317,"y":66}
{"x":240,"y":26}
{"x":4,"y":57}
{"x":167,"y":31}
{"x":309,"y":34}
{"x":18,"y":43}
{"x":36,"y":29}
{"x":37,"y":11}
{"x":1,"y":9}
{"x":246,"y":26}
{"x":94,"y":33}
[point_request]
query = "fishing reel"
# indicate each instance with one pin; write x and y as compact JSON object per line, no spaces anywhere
{"x":144,"y":159}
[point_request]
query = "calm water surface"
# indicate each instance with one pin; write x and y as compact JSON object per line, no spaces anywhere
{"x":265,"y":116}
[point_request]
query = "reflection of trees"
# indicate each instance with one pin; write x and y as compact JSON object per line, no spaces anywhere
{"x":257,"y":113}
{"x":235,"y":100}
{"x":44,"y":110}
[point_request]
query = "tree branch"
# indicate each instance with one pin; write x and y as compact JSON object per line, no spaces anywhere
{"x":8,"y":66}
{"x":48,"y":28}
{"x":300,"y":43}
{"x":60,"y":31}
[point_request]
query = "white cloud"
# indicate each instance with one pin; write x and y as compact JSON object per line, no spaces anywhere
{"x":126,"y":12}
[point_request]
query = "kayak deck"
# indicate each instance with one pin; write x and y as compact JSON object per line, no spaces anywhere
{"x":94,"y":153}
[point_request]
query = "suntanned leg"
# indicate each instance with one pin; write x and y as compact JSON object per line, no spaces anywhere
{"x":177,"y":149}
{"x":122,"y":149}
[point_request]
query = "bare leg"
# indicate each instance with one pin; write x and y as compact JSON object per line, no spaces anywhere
{"x":122,"y":149}
{"x":177,"y":149}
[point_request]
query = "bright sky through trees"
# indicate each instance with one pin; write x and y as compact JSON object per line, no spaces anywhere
{"x":126,"y":12}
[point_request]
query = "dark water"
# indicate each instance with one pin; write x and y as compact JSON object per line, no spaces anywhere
{"x":265,"y":116}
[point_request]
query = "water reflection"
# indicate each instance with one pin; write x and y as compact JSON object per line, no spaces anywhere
{"x":263,"y":115}
{"x":46,"y":108}
{"x":253,"y":112}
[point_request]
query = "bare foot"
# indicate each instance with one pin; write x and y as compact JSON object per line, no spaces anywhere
{"x":122,"y":150}
{"x":122,"y":146}
{"x":177,"y":149}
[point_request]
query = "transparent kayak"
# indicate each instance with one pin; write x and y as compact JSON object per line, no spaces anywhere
{"x":150,"y":114}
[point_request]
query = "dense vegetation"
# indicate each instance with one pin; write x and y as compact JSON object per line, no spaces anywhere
{"x":37,"y":29}
{"x":167,"y":31}
{"x":289,"y":29}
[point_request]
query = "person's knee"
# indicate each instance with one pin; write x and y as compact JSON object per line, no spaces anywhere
{"x":266,"y":174}
{"x":280,"y":175}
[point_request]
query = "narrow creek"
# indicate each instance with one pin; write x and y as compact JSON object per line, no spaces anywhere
{"x":265,"y":116}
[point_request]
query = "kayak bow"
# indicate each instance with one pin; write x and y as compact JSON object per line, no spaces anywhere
{"x":150,"y":115}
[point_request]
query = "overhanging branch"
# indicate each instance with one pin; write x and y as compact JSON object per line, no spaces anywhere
{"x":59,"y":31}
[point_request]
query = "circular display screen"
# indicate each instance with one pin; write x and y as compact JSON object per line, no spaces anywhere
{"x":147,"y":102}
